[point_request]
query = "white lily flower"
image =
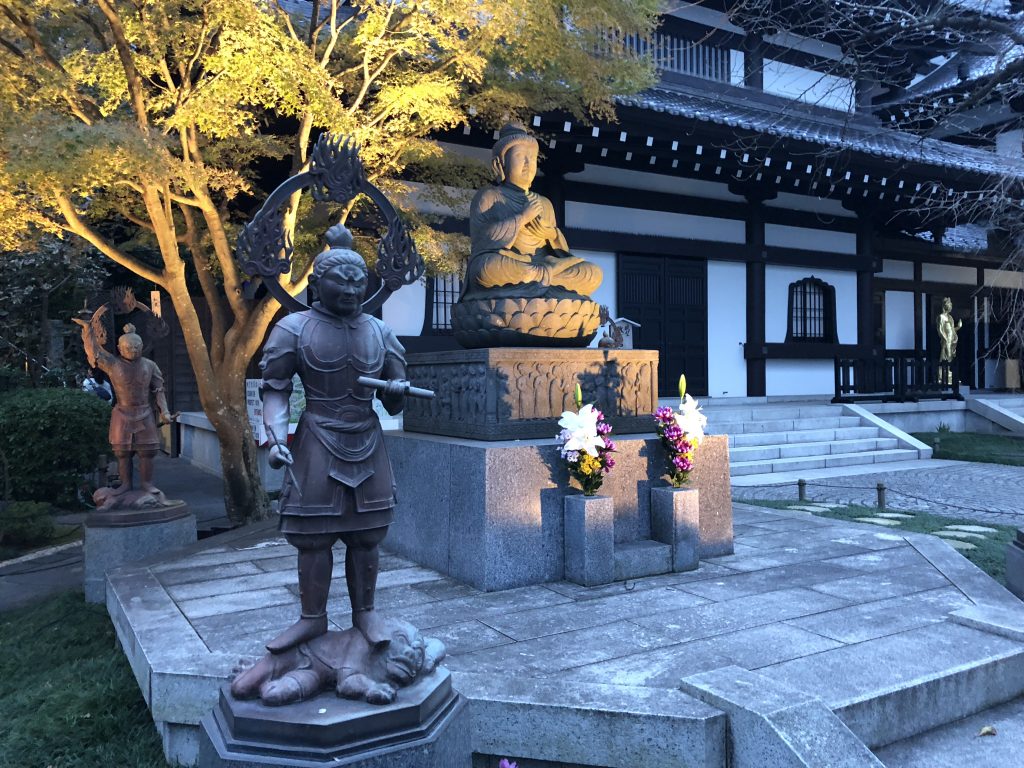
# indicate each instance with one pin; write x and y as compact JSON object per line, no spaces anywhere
{"x":690,"y":420}
{"x":582,"y":430}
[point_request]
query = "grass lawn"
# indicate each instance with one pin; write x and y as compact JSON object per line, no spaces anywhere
{"x":70,"y":700}
{"x":62,"y":534}
{"x":989,"y":553}
{"x":972,"y":446}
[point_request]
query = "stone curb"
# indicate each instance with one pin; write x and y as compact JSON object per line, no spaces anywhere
{"x":777,"y":725}
{"x":38,"y":554}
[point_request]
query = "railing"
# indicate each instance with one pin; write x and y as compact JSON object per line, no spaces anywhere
{"x":675,"y":54}
{"x":897,"y":379}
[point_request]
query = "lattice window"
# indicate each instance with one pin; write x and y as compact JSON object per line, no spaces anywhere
{"x":812,"y":311}
{"x":445,"y":291}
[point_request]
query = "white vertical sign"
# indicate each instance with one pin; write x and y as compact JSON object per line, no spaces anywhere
{"x":154,"y":303}
{"x":254,"y":409}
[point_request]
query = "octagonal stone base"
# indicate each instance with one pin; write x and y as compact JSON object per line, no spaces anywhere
{"x":426,"y":726}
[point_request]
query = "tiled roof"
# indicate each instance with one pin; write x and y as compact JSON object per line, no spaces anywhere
{"x":729,"y":107}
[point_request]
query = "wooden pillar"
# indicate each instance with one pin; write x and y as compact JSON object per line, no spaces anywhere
{"x":866,"y":286}
{"x":918,"y":322}
{"x":756,"y":256}
{"x":753,"y":62}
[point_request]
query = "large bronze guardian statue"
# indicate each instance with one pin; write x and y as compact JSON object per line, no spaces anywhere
{"x":340,"y":484}
{"x":523,"y":287}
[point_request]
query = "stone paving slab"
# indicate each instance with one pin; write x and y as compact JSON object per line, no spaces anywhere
{"x":847,"y":613}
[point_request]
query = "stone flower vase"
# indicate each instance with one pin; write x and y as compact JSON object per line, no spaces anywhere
{"x":675,"y":520}
{"x":589,"y":539}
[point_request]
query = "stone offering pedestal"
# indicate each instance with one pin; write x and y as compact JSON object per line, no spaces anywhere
{"x":1015,"y":565}
{"x":512,"y":393}
{"x":427,"y":727}
{"x":589,"y":540}
{"x":117,"y":537}
{"x":675,"y":520}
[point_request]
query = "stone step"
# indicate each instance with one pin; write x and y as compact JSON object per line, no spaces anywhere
{"x":825,"y":448}
{"x":737,"y":468}
{"x":781,"y":425}
{"x":765,"y":412}
{"x":636,"y":559}
{"x":801,"y":436}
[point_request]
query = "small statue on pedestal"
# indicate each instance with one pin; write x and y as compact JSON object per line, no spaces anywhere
{"x":947,"y":329}
{"x":139,"y":389}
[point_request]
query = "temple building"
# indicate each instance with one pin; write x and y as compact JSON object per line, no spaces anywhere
{"x":761,"y":216}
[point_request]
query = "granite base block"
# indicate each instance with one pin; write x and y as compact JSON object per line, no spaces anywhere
{"x":1015,"y":565}
{"x":589,"y":540}
{"x":675,"y":520}
{"x":491,"y":514}
{"x":107,"y":548}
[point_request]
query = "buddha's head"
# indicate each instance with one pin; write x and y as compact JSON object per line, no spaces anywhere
{"x":130,"y":343}
{"x":514,"y":156}
{"x":339,"y":276}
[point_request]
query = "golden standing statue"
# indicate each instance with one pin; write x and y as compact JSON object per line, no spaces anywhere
{"x":947,"y":329}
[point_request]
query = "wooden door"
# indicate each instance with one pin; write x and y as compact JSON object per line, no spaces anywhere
{"x":668,"y":297}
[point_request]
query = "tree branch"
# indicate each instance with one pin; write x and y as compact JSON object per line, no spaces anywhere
{"x":73,"y":223}
{"x":131,"y":73}
{"x":209,"y":286}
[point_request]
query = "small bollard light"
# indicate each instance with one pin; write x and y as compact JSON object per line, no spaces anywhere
{"x":938,"y":445}
{"x":881,"y":495}
{"x":802,"y":489}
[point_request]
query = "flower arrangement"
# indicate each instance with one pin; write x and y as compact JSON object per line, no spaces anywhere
{"x":681,"y":432}
{"x":586,"y":445}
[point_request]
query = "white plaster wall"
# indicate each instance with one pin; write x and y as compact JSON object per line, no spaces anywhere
{"x":805,"y":238}
{"x":999,"y":278}
{"x":403,"y":311}
{"x":776,"y":285}
{"x":607,"y":218}
{"x":899,"y":320}
{"x":828,"y":208}
{"x":1010,"y":143}
{"x":606,"y":292}
{"x":897,"y":270}
{"x":808,"y":86}
{"x":799,"y":377}
{"x":947,"y":273}
{"x":654,"y":182}
{"x":727,"y":312}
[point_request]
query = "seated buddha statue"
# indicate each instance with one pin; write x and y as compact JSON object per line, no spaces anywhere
{"x":517,"y":249}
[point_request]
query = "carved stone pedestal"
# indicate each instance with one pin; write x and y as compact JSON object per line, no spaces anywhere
{"x":117,"y":537}
{"x":427,"y":726}
{"x":512,"y":393}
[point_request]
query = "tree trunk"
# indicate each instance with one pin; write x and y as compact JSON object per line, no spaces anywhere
{"x":245,"y":500}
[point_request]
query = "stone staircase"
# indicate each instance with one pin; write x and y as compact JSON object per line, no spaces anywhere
{"x":778,"y":437}
{"x":1013,"y":404}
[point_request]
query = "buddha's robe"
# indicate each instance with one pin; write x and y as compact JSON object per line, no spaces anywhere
{"x":508,"y":249}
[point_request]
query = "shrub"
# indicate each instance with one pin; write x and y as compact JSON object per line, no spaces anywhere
{"x":12,"y":378}
{"x":25,"y":523}
{"x":50,"y":438}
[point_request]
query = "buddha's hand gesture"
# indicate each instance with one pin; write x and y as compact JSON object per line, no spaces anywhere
{"x":534,"y":209}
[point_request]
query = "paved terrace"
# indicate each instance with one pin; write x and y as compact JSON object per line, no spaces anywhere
{"x":895,"y":633}
{"x":987,"y":493}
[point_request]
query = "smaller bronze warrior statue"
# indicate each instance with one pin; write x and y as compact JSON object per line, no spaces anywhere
{"x":947,"y":329}
{"x":139,"y":388}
